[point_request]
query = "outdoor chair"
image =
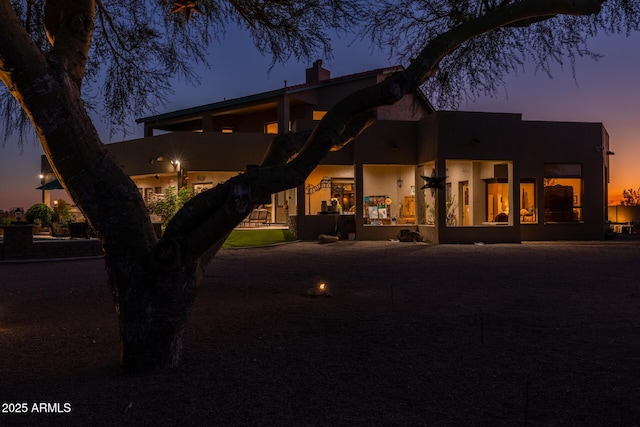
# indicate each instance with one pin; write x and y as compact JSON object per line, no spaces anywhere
{"x":257,"y":217}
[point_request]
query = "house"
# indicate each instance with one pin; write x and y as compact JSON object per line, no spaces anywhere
{"x":456,"y":177}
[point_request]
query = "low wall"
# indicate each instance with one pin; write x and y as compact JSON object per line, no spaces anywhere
{"x":22,"y":246}
{"x":18,"y":242}
{"x":67,"y":248}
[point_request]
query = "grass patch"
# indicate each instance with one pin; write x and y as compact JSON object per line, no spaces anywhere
{"x":261,"y":237}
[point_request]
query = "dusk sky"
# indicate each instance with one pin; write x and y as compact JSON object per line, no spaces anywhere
{"x":606,"y":91}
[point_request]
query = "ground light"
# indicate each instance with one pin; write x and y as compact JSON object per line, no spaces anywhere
{"x":320,"y":290}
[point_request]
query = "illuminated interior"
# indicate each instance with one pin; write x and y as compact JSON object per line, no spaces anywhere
{"x":271,"y":128}
{"x":528,"y":209}
{"x":318,"y":114}
{"x":479,"y":193}
{"x":330,"y":189}
{"x":389,"y":194}
{"x":563,"y":192}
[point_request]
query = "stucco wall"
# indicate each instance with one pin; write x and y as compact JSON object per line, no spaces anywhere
{"x":196,"y":151}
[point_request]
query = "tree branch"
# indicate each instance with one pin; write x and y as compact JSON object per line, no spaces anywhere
{"x":71,"y":24}
{"x":221,"y":209}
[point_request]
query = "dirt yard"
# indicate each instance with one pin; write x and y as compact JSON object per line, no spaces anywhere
{"x":540,"y":334}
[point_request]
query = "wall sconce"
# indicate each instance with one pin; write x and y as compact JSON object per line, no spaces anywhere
{"x":400,"y":182}
{"x":157,"y":159}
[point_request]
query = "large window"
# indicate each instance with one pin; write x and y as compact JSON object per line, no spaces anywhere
{"x":389,"y":195}
{"x":330,"y":190}
{"x":498,"y":204}
{"x":562,"y":192}
{"x":479,"y":192}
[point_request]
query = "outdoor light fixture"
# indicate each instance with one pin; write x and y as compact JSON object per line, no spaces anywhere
{"x":42,"y":185}
{"x":321,"y":290}
{"x":175,"y":164}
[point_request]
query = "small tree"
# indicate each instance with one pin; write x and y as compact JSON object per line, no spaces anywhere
{"x":167,"y":206}
{"x":62,"y":213}
{"x":631,"y":197}
{"x":40,"y":212}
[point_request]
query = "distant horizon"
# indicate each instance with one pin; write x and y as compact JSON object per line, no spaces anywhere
{"x":604,"y":91}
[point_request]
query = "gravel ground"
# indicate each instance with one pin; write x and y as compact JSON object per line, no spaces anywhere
{"x":539,"y":334}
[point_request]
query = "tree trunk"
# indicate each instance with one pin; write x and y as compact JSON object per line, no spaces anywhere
{"x":152,"y":309}
{"x":152,"y":304}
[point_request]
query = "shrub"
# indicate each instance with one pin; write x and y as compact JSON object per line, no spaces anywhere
{"x":167,"y":207}
{"x":62,"y":213}
{"x":41,"y":212}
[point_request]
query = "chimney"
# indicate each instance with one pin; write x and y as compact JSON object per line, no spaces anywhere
{"x":316,"y":73}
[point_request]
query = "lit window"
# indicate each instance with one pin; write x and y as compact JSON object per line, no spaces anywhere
{"x":318,"y":114}
{"x":389,"y":194}
{"x":562,"y":192}
{"x":227,"y":130}
{"x":528,"y":210}
{"x":478,"y":192}
{"x":271,"y":128}
{"x":497,"y":200}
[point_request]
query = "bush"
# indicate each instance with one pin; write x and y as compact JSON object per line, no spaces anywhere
{"x":62,"y":213}
{"x":41,"y":212}
{"x":171,"y":203}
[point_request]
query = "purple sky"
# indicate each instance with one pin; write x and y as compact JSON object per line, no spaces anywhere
{"x":606,"y":91}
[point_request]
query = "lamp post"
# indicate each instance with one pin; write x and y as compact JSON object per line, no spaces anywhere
{"x":42,"y":186}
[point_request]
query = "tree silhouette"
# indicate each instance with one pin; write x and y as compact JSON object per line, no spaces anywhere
{"x":118,"y":57}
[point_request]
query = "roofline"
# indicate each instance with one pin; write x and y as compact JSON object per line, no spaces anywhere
{"x":213,"y":106}
{"x":272,"y":94}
